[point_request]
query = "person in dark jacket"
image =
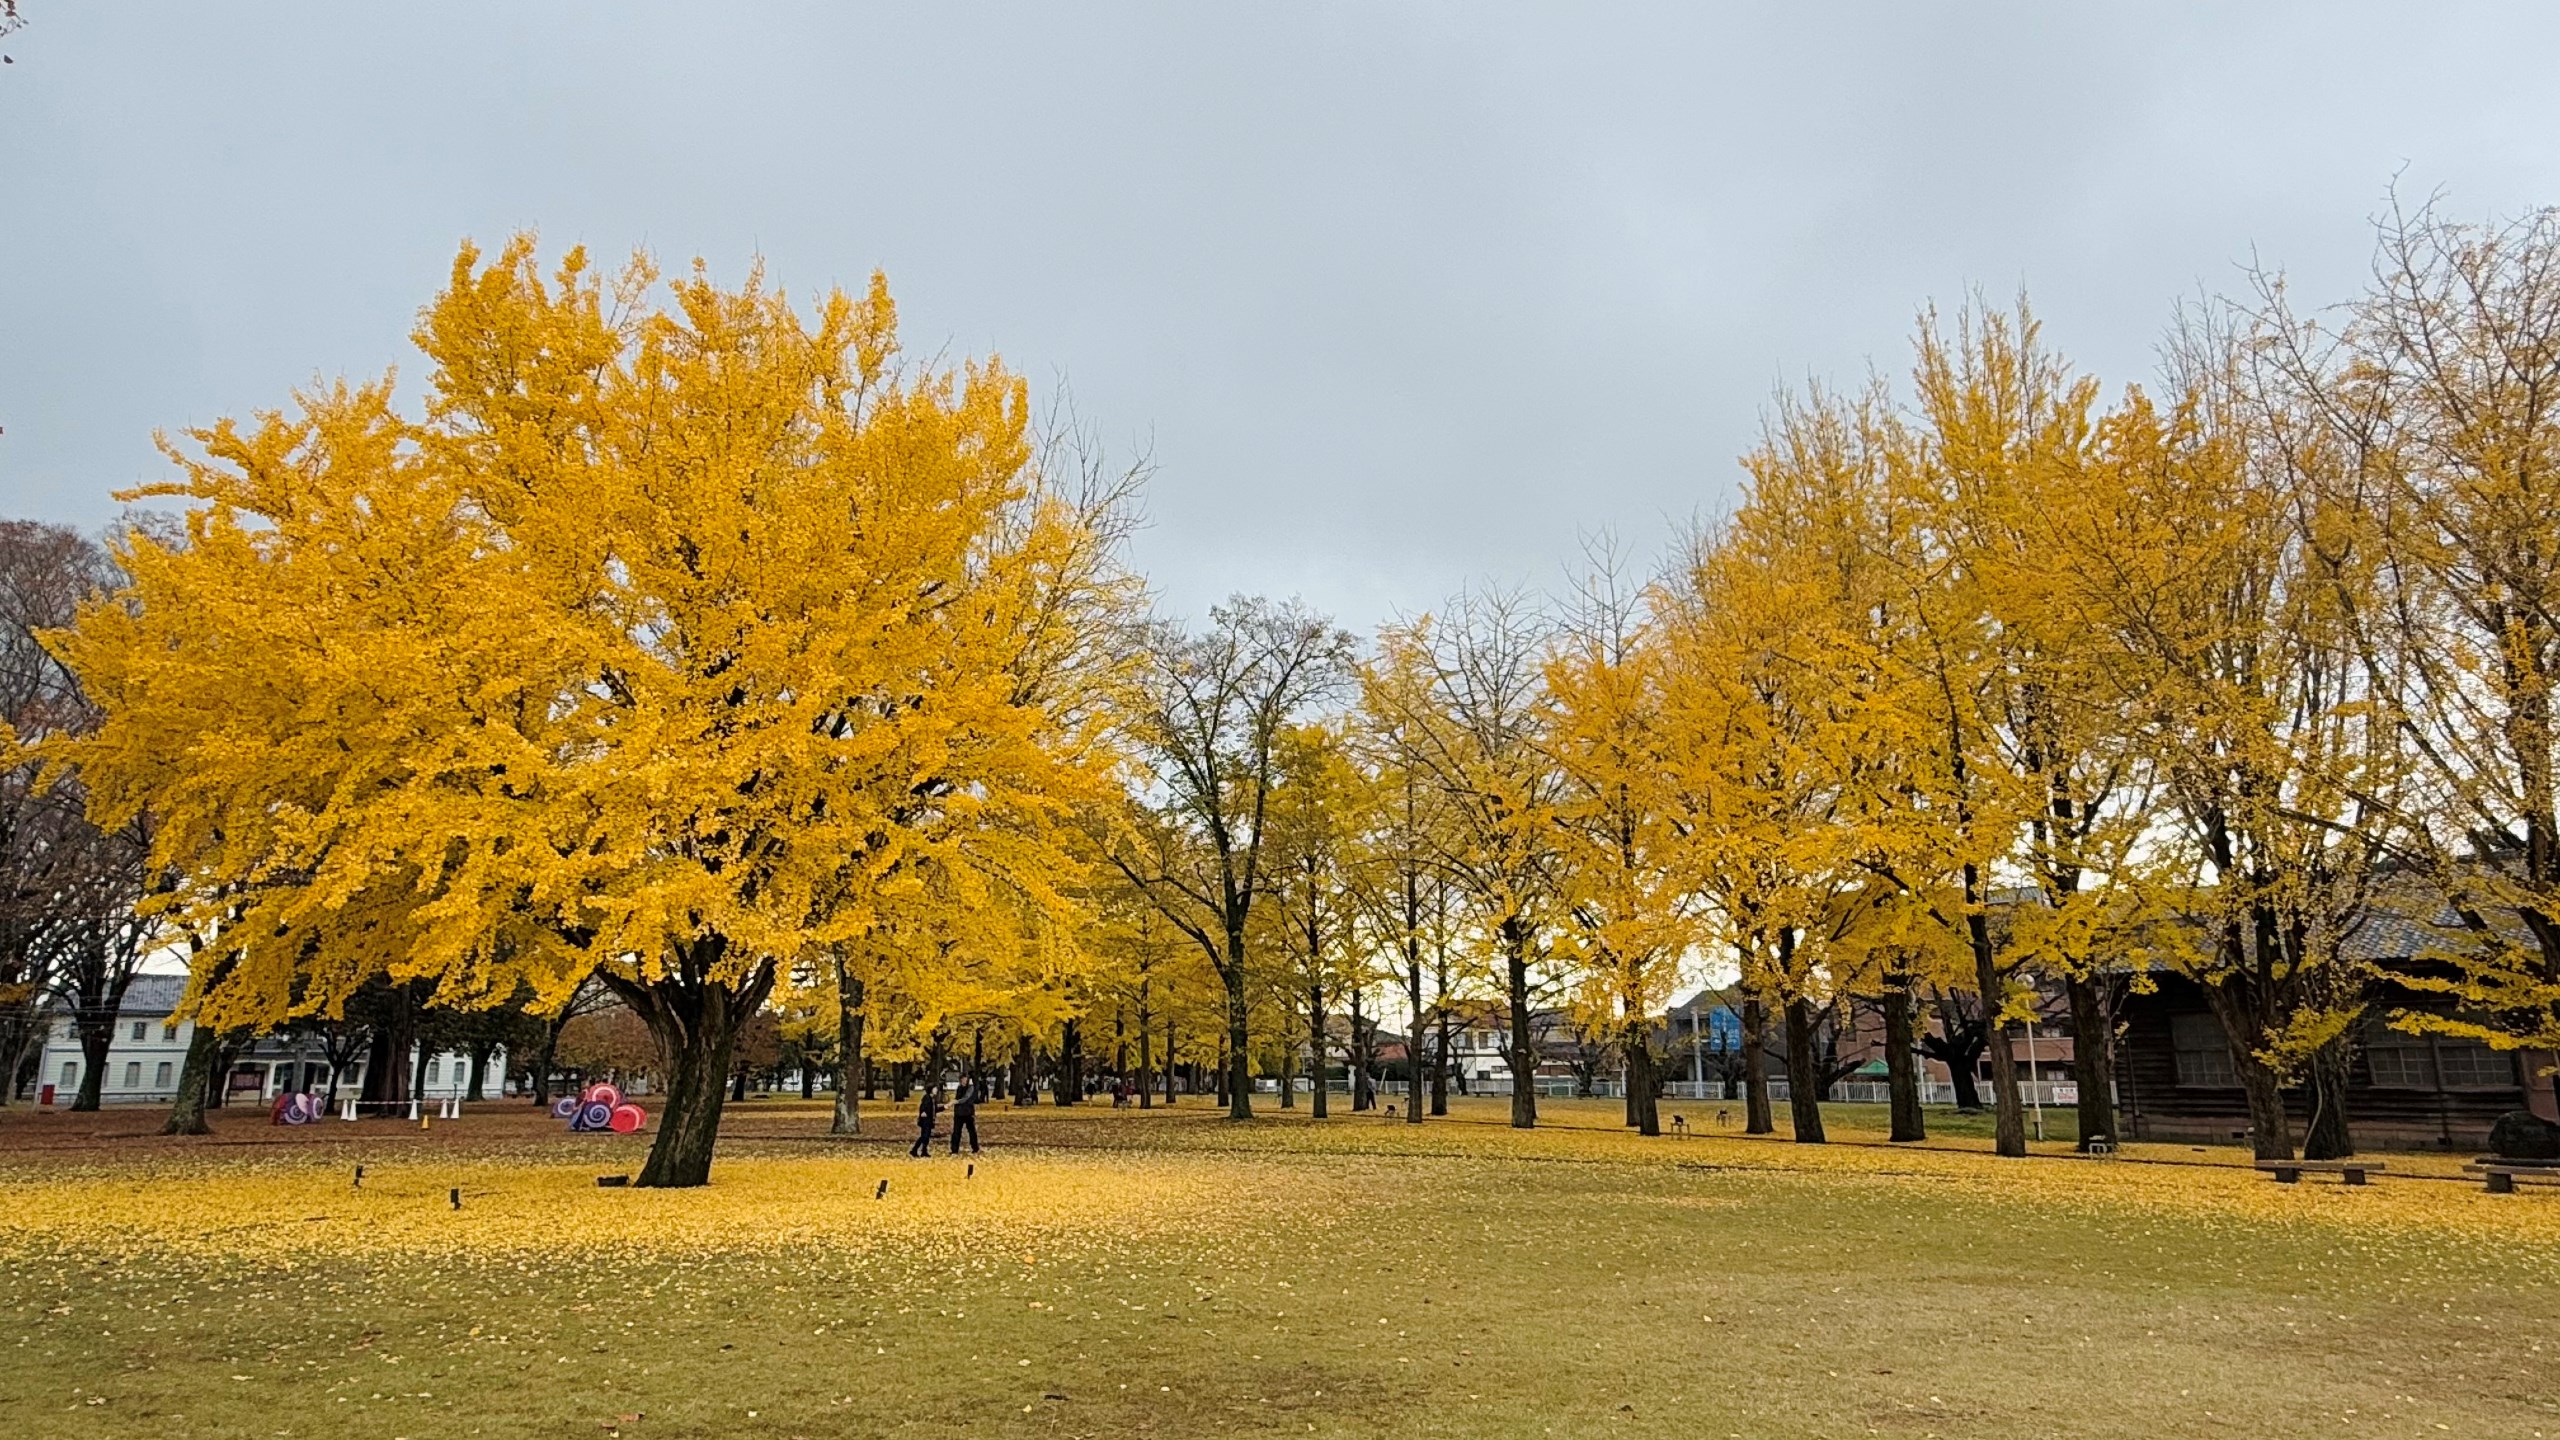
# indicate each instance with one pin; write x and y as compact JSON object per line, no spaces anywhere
{"x":964,"y":1116}
{"x":924,"y":1124}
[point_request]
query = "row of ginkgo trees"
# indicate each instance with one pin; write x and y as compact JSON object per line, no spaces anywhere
{"x":714,"y":651}
{"x":1987,"y":680}
{"x":1992,"y":676}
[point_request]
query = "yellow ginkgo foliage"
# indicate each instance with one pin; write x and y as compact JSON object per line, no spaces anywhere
{"x":680,"y":643}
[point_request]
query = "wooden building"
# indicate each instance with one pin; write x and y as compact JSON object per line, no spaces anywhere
{"x":2175,"y":1078}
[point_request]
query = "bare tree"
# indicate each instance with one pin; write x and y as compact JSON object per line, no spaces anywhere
{"x":66,"y":891}
{"x":1208,"y":719}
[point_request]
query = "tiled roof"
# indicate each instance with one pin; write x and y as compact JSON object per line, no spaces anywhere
{"x":153,"y":995}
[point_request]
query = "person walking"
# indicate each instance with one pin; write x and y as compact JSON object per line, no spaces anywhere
{"x":964,"y":1116}
{"x":924,"y":1124}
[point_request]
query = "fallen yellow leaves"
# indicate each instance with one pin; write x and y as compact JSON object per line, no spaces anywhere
{"x":1013,"y":1204}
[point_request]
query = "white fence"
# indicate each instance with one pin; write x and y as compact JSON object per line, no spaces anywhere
{"x":1877,"y":1092}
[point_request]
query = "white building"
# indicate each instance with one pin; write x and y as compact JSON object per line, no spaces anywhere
{"x":150,"y":1052}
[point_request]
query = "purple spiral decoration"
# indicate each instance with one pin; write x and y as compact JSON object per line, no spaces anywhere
{"x":564,"y":1108}
{"x":598,"y":1116}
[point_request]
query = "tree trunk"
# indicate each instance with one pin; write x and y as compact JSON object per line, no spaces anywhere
{"x":1804,"y":1099}
{"x":1440,"y":1062}
{"x":1146,"y":1043}
{"x":2327,"y":1136}
{"x":1356,"y":1061}
{"x":1318,"y":1043}
{"x":1643,"y":1084}
{"x":1239,"y":1076}
{"x":1068,"y":1086}
{"x":696,"y":1023}
{"x":848,"y":1054}
{"x":2009,"y":1117}
{"x":1413,"y":1087}
{"x":2270,"y":1129}
{"x":1169,"y":1065}
{"x":1902,"y":1065}
{"x":1524,"y":1042}
{"x":1026,"y":1072}
{"x":387,"y":1074}
{"x":480,"y":1053}
{"x":1757,"y":1119}
{"x":97,"y":1036}
{"x":2093,"y":1058}
{"x":195,"y":1084}
{"x":1288,"y":1076}
{"x":548,"y":1061}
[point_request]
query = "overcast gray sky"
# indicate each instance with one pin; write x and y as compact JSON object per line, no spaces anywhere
{"x":1396,"y":297}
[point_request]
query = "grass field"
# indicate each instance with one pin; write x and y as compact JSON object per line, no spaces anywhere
{"x":1168,"y":1273}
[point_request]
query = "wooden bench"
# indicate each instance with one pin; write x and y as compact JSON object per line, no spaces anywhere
{"x":2499,"y":1177}
{"x":2350,"y":1172}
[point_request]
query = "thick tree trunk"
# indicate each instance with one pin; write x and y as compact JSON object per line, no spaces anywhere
{"x":1757,"y":1118}
{"x":2009,"y":1117}
{"x":696,"y":1023}
{"x":1238,"y":1079}
{"x":2093,"y":1058}
{"x":1318,"y":1042}
{"x":195,"y":1084}
{"x":1070,"y":1078}
{"x":387,"y":1071}
{"x":480,"y":1053}
{"x":1643,"y":1084}
{"x":2270,"y":1129}
{"x":1026,"y":1072}
{"x":2327,"y":1137}
{"x":97,"y":1036}
{"x":1169,"y":1065}
{"x":1902,"y":1066}
{"x":1524,"y":1040}
{"x":851,"y":1067}
{"x":1804,"y":1100}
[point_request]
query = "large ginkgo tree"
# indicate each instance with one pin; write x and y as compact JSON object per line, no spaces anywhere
{"x":684,"y":639}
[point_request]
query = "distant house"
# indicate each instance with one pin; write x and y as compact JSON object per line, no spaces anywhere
{"x":1480,"y":1053}
{"x":150,"y":1052}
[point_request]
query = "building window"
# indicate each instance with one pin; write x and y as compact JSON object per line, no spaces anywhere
{"x":133,"y":1074}
{"x":160,"y":1076}
{"x":2470,"y":1065}
{"x":169,"y":1030}
{"x":70,"y":1074}
{"x":2399,"y":1060}
{"x":141,"y":1028}
{"x":435,"y":1070}
{"x":2204,"y":1059}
